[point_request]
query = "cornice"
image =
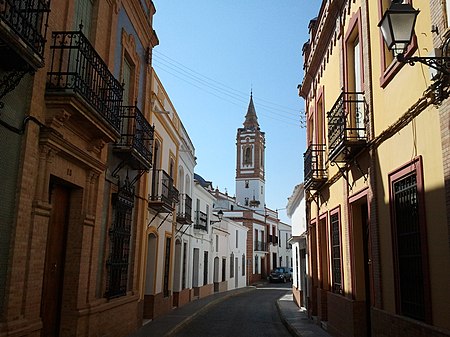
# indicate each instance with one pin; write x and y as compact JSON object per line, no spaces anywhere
{"x":326,"y":29}
{"x":140,"y":21}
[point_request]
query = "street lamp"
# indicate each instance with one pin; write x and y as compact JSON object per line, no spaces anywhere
{"x":219,"y":215}
{"x":397,"y":27}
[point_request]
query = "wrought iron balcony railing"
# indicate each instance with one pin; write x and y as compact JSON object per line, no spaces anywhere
{"x":273,"y":239}
{"x":201,"y":221}
{"x":136,"y":138}
{"x":315,"y":173}
{"x":23,"y":28}
{"x":260,"y":246}
{"x":184,"y":212}
{"x":76,"y":67}
{"x":347,"y":126}
{"x":163,"y":194}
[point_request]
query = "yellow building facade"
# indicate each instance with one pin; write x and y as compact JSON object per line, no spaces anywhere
{"x":374,"y":177}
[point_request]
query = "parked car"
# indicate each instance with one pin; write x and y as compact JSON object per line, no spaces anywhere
{"x":280,"y":274}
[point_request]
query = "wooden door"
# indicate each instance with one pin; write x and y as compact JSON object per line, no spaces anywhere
{"x":54,"y":262}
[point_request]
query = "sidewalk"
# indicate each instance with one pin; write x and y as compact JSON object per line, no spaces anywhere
{"x":294,"y":318}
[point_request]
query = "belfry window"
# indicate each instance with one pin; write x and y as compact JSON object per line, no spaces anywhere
{"x":248,"y":155}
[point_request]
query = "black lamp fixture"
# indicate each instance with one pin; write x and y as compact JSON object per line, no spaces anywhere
{"x":397,"y":27}
{"x":219,"y":215}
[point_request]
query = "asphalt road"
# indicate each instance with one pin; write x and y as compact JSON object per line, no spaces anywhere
{"x":249,"y":314}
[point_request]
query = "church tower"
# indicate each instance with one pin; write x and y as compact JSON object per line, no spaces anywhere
{"x":250,"y":143}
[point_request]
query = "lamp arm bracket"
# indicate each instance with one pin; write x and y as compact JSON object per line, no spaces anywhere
{"x":441,"y":64}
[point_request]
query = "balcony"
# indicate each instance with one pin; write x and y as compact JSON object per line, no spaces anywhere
{"x":184,"y":212}
{"x":164,"y":195}
{"x":23,"y":29}
{"x":315,"y":173}
{"x":201,"y":221}
{"x":260,"y":246}
{"x":136,"y":139}
{"x":346,"y":127}
{"x":80,"y":82}
{"x":273,"y":239}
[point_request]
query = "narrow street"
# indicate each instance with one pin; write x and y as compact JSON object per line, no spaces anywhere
{"x":248,"y":314}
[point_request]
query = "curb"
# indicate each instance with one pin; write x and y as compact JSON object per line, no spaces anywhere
{"x":206,"y":307}
{"x":290,"y":328}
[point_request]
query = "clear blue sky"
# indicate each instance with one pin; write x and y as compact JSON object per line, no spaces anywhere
{"x":211,"y":54}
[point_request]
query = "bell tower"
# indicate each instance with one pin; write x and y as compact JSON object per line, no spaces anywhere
{"x":250,"y":146}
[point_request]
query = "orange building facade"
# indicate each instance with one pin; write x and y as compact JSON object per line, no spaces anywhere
{"x":76,"y":142}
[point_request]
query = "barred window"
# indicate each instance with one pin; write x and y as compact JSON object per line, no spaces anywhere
{"x":336,"y":253}
{"x":119,"y":235}
{"x":408,"y":248}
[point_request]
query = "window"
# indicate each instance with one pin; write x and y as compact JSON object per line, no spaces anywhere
{"x":279,"y":238}
{"x":120,"y":235}
{"x":410,"y":242}
{"x":205,"y":268}
{"x":171,"y":168}
{"x":447,"y":12}
{"x":246,"y":184}
{"x":167,"y":267}
{"x":237,"y":238}
{"x":217,"y":243}
{"x":183,"y":281}
{"x":232,"y":265}
{"x":262,"y":158}
{"x":243,"y":264}
{"x":256,"y":264}
{"x":224,"y":268}
{"x":246,"y":201}
{"x":336,"y":253}
{"x":126,"y":80}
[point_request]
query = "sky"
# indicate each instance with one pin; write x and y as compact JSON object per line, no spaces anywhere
{"x":211,"y":55}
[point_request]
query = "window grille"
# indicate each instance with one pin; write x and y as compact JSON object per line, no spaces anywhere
{"x":336,"y":253}
{"x":409,"y":253}
{"x":119,"y":234}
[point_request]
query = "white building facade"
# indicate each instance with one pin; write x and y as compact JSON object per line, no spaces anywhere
{"x":296,"y":211}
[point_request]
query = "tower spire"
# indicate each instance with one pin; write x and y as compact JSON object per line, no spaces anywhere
{"x":251,"y":120}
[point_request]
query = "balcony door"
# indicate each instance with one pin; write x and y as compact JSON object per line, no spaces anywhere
{"x":354,"y":83}
{"x":358,"y":107}
{"x":83,"y":16}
